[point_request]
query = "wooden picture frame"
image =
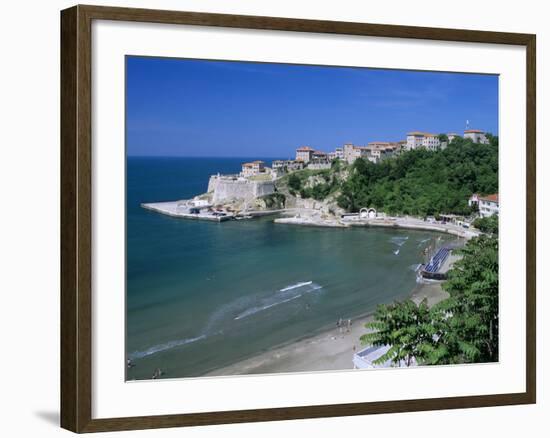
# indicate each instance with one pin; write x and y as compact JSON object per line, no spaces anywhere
{"x":76,"y":217}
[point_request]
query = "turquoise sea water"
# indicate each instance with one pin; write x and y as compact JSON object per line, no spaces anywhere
{"x":203,"y":295}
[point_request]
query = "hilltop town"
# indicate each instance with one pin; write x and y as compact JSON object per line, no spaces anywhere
{"x":376,"y":151}
{"x":328,"y":188}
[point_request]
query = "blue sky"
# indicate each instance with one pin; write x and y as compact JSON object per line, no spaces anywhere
{"x":178,"y":107}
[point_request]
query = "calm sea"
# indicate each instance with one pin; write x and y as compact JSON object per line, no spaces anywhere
{"x":203,"y":295}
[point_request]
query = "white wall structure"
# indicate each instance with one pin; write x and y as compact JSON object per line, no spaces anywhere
{"x":431,"y":142}
{"x":227,"y":188}
{"x":418,"y":139}
{"x":349,"y":152}
{"x":414,"y":140}
{"x":339,"y":153}
{"x":253,"y":168}
{"x":304,"y":154}
{"x":488,"y":205}
{"x":476,"y":136}
{"x":352,"y":152}
{"x":319,"y":165}
{"x":380,"y":150}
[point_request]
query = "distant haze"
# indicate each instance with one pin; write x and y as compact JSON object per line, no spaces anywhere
{"x":194,"y":108}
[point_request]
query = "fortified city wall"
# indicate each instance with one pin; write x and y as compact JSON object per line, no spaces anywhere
{"x":228,"y":188}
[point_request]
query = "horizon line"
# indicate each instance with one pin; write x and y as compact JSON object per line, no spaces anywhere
{"x":203,"y":156}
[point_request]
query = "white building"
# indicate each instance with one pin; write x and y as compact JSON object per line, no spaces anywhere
{"x":414,"y":140}
{"x":352,"y":152}
{"x":338,"y":153}
{"x":488,"y":205}
{"x":417,"y":139}
{"x":375,"y":151}
{"x":431,"y":142}
{"x":304,"y":154}
{"x":348,"y":152}
{"x":253,"y":168}
{"x":476,"y":136}
{"x":474,"y":200}
{"x":319,"y":156}
{"x":380,"y":150}
{"x":319,"y":160}
{"x":284,"y":166}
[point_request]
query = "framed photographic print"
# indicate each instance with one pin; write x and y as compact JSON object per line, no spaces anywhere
{"x":269,"y":218}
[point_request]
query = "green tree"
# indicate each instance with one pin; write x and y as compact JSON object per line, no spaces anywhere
{"x":487,"y":224}
{"x":464,"y":328}
{"x":294,"y":182}
{"x":336,"y":165}
{"x":472,"y":324}
{"x":409,"y":330}
{"x":422,"y":182}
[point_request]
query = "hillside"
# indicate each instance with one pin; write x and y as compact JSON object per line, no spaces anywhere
{"x":418,"y":182}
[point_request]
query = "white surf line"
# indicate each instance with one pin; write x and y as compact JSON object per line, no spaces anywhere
{"x":255,"y":310}
{"x":166,"y":346}
{"x":295,"y":286}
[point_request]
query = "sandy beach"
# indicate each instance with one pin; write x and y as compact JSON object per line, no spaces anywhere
{"x":313,"y":219}
{"x":332,"y":349}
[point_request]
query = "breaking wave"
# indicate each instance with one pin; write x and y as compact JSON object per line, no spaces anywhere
{"x":295,"y":286}
{"x":398,"y":240}
{"x":243,"y":308}
{"x":254,"y":310}
{"x":281,"y":297}
{"x":166,"y":346}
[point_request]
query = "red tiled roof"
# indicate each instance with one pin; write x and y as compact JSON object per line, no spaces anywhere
{"x":490,"y":198}
{"x":304,"y":149}
{"x":473,"y":131}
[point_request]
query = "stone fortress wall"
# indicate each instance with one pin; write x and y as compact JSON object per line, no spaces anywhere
{"x":225,"y":188}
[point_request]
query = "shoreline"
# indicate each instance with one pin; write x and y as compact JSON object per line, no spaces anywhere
{"x":312,"y":218}
{"x":329,"y":350}
{"x":404,"y":222}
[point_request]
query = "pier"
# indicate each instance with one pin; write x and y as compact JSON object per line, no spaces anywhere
{"x":187,"y":209}
{"x":439,"y":264}
{"x":181,"y":210}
